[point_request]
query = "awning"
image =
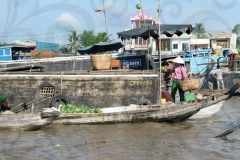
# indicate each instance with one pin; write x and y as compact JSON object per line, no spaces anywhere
{"x":152,"y":31}
{"x":101,"y":47}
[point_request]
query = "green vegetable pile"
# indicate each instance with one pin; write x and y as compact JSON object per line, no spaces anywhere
{"x":69,"y":108}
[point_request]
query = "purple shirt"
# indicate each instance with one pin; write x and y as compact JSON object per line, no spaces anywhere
{"x":180,"y":73}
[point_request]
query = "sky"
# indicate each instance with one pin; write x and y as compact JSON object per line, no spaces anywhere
{"x":53,"y":20}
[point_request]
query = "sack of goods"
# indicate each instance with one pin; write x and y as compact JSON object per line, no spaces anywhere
{"x":191,"y":84}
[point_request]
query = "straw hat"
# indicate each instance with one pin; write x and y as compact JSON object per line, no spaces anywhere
{"x":178,"y":60}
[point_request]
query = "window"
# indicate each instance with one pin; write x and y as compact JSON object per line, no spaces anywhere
{"x":7,"y":52}
{"x":1,"y":52}
{"x":165,"y":45}
{"x":47,"y":90}
{"x":223,"y":43}
{"x":184,"y":47}
{"x":141,"y":41}
{"x":175,"y":46}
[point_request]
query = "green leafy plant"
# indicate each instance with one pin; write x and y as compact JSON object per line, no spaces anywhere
{"x":73,"y":109}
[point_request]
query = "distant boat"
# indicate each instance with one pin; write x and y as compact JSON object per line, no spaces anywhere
{"x":194,"y":57}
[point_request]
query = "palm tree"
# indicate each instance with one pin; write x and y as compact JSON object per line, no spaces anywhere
{"x":73,"y":39}
{"x":65,"y":49}
{"x":200,"y":31}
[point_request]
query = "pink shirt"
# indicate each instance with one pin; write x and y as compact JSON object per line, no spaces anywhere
{"x":180,"y":73}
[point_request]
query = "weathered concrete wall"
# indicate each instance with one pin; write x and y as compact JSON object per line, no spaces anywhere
{"x":96,"y":91}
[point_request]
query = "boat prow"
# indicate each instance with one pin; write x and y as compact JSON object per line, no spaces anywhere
{"x":23,"y":121}
{"x":214,"y":105}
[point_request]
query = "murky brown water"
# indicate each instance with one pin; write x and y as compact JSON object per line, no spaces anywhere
{"x":148,"y":141}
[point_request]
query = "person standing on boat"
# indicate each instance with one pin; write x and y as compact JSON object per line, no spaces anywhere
{"x":180,"y":73}
{"x":167,"y":75}
{"x":4,"y":104}
{"x":218,"y":74}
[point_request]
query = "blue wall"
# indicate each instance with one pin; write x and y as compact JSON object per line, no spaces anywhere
{"x":47,"y":46}
{"x":5,"y":54}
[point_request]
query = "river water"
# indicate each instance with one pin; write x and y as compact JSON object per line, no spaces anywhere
{"x":190,"y":140}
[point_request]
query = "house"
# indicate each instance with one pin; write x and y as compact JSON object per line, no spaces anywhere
{"x":173,"y":45}
{"x":12,"y":52}
{"x":224,"y":39}
{"x":28,"y":49}
{"x":29,"y":44}
{"x":45,"y":50}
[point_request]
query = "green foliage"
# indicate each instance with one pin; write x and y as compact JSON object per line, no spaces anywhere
{"x":73,"y":42}
{"x":84,"y":39}
{"x":236,"y":29}
{"x":3,"y":44}
{"x":200,"y":31}
{"x":73,"y":109}
{"x":38,"y":56}
{"x":238,"y":42}
{"x":65,"y":49}
{"x":88,"y":38}
{"x":102,"y":37}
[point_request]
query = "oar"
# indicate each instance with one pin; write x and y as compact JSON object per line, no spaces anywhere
{"x":228,"y":131}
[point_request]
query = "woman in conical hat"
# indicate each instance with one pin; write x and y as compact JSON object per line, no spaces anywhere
{"x":180,"y":73}
{"x":178,"y":60}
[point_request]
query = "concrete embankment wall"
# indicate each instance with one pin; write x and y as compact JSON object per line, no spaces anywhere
{"x":96,"y":91}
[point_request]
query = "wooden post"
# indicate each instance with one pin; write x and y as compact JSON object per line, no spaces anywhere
{"x":235,"y":66}
{"x":32,"y":109}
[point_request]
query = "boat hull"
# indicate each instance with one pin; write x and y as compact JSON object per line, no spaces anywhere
{"x":157,"y":114}
{"x":211,"y":108}
{"x":23,"y":122}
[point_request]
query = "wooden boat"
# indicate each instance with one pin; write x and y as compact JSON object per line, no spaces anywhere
{"x":214,"y":105}
{"x":24,"y":121}
{"x":211,"y":108}
{"x":134,"y":113}
{"x":175,"y":112}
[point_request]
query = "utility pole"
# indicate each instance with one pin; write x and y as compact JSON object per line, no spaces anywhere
{"x":105,"y":17}
{"x":159,"y":53}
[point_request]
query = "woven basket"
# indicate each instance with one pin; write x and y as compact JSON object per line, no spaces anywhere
{"x":191,"y":84}
{"x":101,"y":62}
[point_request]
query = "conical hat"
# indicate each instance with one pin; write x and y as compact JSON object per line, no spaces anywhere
{"x":178,"y":60}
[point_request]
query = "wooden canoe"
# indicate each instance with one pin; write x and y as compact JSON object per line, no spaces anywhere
{"x":23,"y":122}
{"x":154,"y":113}
{"x":212,"y":107}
